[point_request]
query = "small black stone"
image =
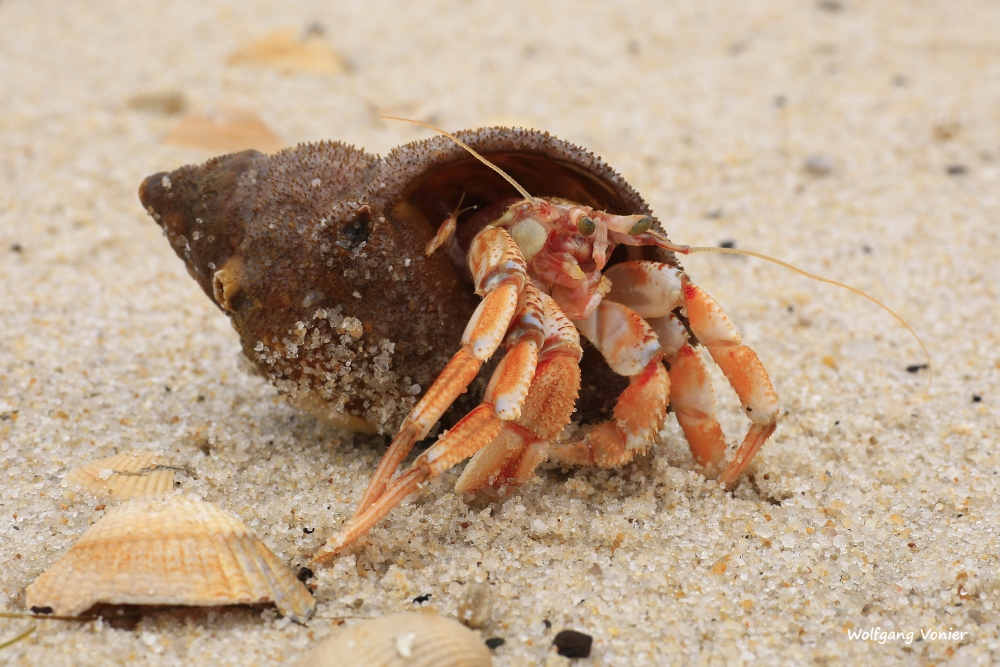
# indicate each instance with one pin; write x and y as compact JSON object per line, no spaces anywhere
{"x":304,"y":574}
{"x":41,"y":610}
{"x":548,"y":624}
{"x":495,"y":642}
{"x":976,"y":398}
{"x":420,"y":599}
{"x":308,"y":531}
{"x":727,"y":244}
{"x":913,"y":368}
{"x":957,"y":170}
{"x":16,"y":247}
{"x":573,"y":644}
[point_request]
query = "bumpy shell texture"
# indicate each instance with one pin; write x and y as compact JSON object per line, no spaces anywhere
{"x":317,"y":256}
{"x":169,"y":550}
{"x":402,"y":640}
{"x":134,"y":473}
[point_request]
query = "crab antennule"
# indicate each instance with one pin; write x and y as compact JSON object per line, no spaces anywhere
{"x":517,"y":186}
{"x":750,"y":253}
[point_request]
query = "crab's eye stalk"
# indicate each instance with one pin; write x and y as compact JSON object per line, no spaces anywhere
{"x":586,"y":225}
{"x":641,"y":226}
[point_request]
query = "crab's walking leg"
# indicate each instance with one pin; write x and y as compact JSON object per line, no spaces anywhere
{"x":741,"y":367}
{"x":499,"y":272}
{"x":502,"y":402}
{"x":511,"y":458}
{"x":630,"y":347}
{"x":654,"y":290}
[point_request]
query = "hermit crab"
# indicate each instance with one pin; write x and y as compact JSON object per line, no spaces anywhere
{"x":355,"y":281}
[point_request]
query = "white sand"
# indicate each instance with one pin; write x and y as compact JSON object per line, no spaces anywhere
{"x":872,"y":506}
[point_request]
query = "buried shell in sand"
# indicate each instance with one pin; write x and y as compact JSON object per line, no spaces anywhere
{"x":169,"y":550}
{"x":412,"y":639}
{"x":124,"y":476}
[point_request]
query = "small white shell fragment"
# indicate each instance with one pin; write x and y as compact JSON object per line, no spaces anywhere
{"x":412,"y":639}
{"x":134,"y":473}
{"x":169,"y":550}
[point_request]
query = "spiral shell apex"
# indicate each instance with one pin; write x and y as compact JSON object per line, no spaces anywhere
{"x":169,"y":550}
{"x":402,"y":640}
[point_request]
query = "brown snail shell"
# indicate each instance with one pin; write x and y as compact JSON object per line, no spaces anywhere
{"x":169,"y":550}
{"x":123,"y":476}
{"x":317,"y":256}
{"x":412,"y":639}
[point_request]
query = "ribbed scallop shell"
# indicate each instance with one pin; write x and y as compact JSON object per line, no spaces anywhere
{"x":402,"y":640}
{"x":134,"y":473}
{"x":169,"y":550}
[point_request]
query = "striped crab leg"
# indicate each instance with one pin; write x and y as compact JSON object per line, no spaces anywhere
{"x":500,"y":276}
{"x":654,"y":290}
{"x":511,"y":458}
{"x":631,"y":348}
{"x":741,"y":367}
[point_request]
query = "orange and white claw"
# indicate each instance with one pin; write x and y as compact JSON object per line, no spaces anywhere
{"x":741,"y":367}
{"x":693,"y":403}
{"x":638,"y":416}
{"x":624,"y":339}
{"x":649,"y":289}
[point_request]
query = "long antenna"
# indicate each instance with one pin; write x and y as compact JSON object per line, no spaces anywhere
{"x":751,"y":253}
{"x":517,"y":186}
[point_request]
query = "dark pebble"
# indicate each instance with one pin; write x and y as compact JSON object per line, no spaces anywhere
{"x":420,"y":599}
{"x":308,"y":531}
{"x":16,"y":247}
{"x":573,"y":644}
{"x":304,"y":575}
{"x":913,"y":368}
{"x":976,"y":398}
{"x":957,"y":170}
{"x":41,"y":610}
{"x":495,"y":642}
{"x":728,"y":244}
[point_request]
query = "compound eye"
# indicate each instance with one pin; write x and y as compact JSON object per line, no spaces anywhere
{"x":641,"y":226}
{"x":585,"y":225}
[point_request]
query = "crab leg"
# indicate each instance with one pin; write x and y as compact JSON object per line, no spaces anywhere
{"x":503,"y":400}
{"x":630,"y":347}
{"x":741,"y":367}
{"x":693,"y":402}
{"x":499,"y":272}
{"x":511,"y":458}
{"x":654,"y":290}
